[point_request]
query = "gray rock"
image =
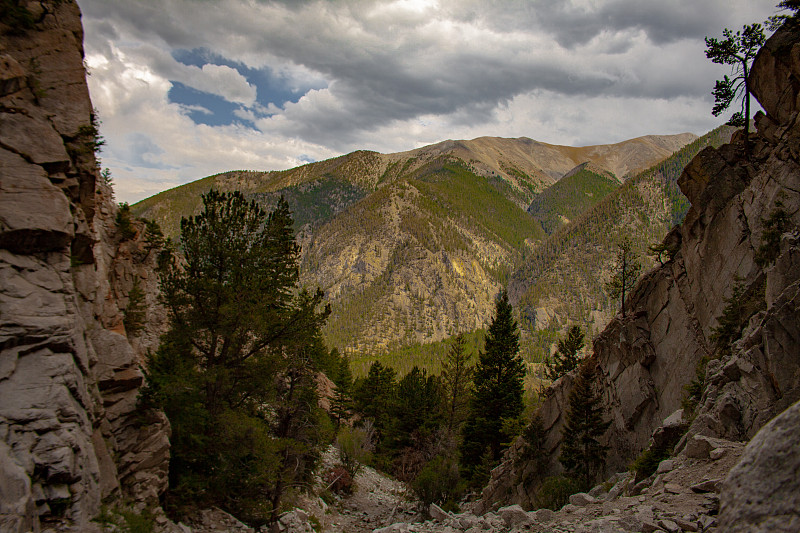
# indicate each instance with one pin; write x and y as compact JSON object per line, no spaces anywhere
{"x":581,"y":499}
{"x":437,"y":513}
{"x":709,"y":485}
{"x":762,"y":492}
{"x":544,"y":515}
{"x":514,"y":516}
{"x":669,"y":526}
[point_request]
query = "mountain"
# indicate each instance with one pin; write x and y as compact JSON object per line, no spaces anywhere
{"x":412,"y":247}
{"x":579,"y":189}
{"x":561,"y":280}
{"x":323,"y":189}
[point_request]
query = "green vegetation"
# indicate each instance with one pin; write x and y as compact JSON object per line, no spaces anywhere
{"x":135,"y":312}
{"x":235,"y":373}
{"x":123,"y":519}
{"x":566,"y":356}
{"x":625,"y":273}
{"x":555,"y":492}
{"x":561,"y":273}
{"x":740,"y":306}
{"x":456,"y":378}
{"x":497,"y":395}
{"x":570,"y":196}
{"x":124,"y":222}
{"x":774,"y":226}
{"x":582,"y":454}
{"x":737,"y":50}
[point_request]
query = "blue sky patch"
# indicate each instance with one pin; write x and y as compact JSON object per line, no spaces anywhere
{"x":220,"y":111}
{"x":270,"y":88}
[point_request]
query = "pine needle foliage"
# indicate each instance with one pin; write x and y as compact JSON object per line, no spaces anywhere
{"x":582,"y":454}
{"x":456,"y":381}
{"x":497,"y":395}
{"x":566,"y":357}
{"x":235,"y":373}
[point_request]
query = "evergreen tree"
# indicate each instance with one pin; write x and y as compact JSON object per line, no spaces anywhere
{"x":737,"y":50}
{"x":626,"y":272}
{"x":374,"y":396}
{"x":416,"y":411}
{"x":235,"y":371}
{"x":497,"y":394}
{"x":581,"y":452}
{"x":566,"y":357}
{"x":135,"y":313}
{"x":341,"y":403}
{"x":456,"y":378}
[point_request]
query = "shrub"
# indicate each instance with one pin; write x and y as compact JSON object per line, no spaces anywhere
{"x":339,"y":480}
{"x":647,"y":462}
{"x":124,"y":224}
{"x":439,"y":482}
{"x":555,"y":492}
{"x":355,"y":447}
{"x":777,"y":223}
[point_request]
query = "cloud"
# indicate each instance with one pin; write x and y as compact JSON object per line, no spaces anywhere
{"x":319,"y":78}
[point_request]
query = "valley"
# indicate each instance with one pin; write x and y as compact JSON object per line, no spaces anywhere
{"x":363,"y":344}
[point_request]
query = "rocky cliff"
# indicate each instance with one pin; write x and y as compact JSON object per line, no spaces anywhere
{"x":737,"y":255}
{"x":70,"y":434}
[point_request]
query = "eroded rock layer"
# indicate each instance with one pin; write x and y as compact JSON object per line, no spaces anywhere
{"x":70,"y":435}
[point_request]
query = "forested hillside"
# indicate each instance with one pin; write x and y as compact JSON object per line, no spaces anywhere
{"x":562,"y":280}
{"x":578,"y":190}
{"x":411,"y":248}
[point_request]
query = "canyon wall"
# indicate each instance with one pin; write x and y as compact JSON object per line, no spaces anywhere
{"x":70,"y":434}
{"x":646,"y":358}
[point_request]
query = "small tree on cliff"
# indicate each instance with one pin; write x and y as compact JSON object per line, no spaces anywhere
{"x":497,"y":393}
{"x":566,"y":357}
{"x":737,"y":50}
{"x":626,"y":271}
{"x":581,"y":452}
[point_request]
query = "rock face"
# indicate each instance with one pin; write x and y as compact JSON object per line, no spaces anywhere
{"x":762,"y":492}
{"x":70,"y":434}
{"x":647,"y":357}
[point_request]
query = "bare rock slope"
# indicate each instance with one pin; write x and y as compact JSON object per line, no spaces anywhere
{"x":70,"y":434}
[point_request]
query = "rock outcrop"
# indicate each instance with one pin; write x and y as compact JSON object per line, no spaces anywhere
{"x":761,"y":494}
{"x":70,"y":433}
{"x":729,"y":240}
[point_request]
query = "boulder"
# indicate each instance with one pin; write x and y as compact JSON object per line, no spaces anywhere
{"x":514,"y":516}
{"x":762,"y":492}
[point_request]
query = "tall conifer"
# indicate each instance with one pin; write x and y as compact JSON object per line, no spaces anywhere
{"x":497,"y":393}
{"x":581,"y":452}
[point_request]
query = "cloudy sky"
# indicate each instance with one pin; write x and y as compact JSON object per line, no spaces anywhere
{"x":188,"y":88}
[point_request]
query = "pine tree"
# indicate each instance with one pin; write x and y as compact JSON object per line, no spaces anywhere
{"x":582,"y":454}
{"x":374,"y":396}
{"x":566,"y":357}
{"x":456,"y":380}
{"x":497,"y":393}
{"x":737,"y":50}
{"x":341,"y":403}
{"x":626,"y":272}
{"x":235,"y":371}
